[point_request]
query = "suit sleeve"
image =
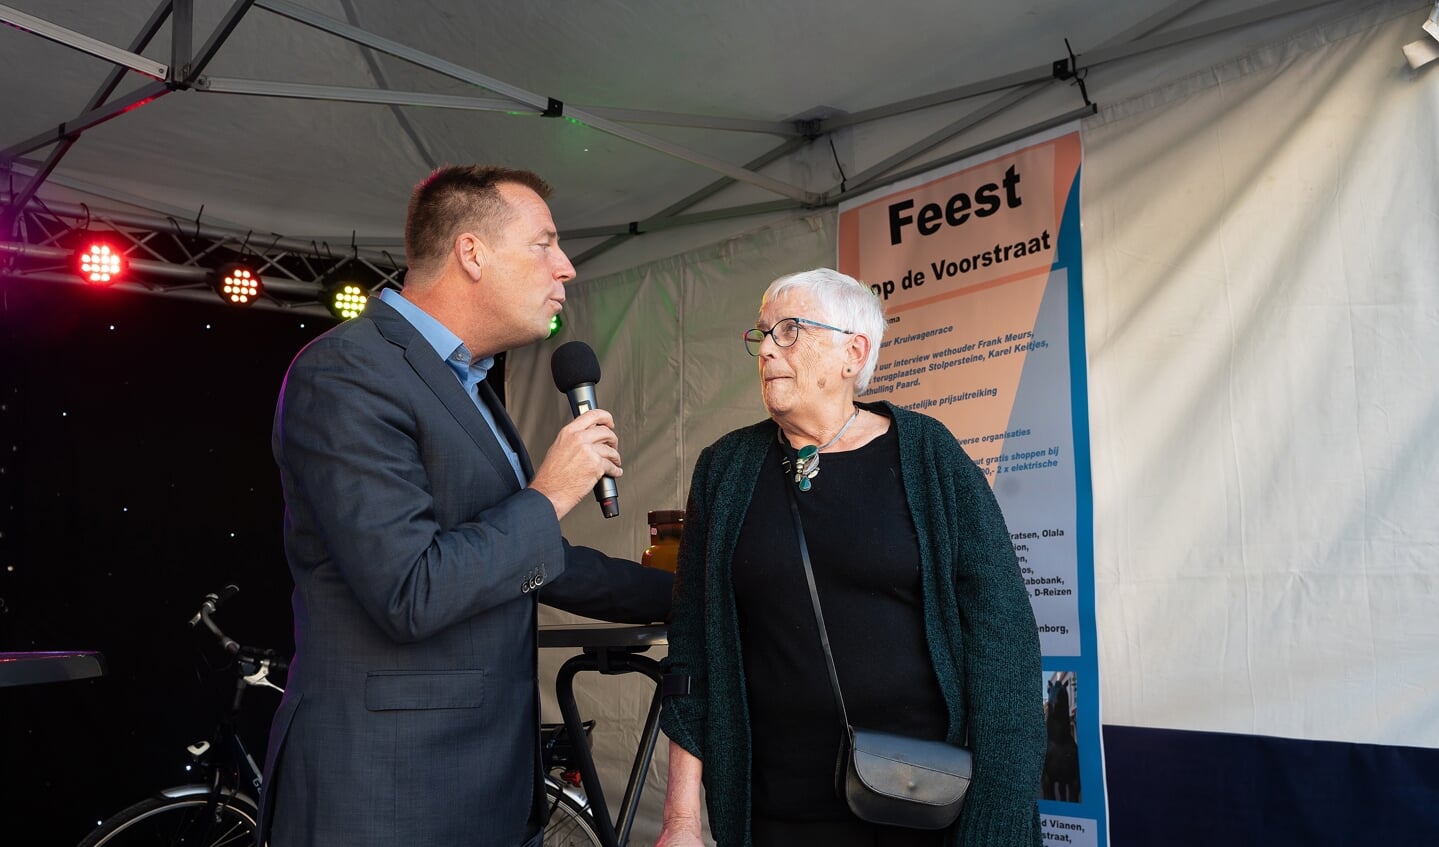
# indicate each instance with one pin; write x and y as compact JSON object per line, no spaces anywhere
{"x":360,"y":467}
{"x":610,"y":589}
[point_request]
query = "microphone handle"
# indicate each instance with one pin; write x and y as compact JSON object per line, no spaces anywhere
{"x":582,"y":398}
{"x":607,"y":493}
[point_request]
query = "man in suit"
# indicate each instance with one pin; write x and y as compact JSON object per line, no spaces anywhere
{"x":419,"y":536}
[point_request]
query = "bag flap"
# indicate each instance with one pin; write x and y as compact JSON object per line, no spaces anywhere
{"x":929,"y":772}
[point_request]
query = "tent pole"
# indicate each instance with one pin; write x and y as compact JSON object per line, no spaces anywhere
{"x":666,"y":216}
{"x":112,"y":81}
{"x":85,"y":120}
{"x":83,"y":43}
{"x":191,"y":71}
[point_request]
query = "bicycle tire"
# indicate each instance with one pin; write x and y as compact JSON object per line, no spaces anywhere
{"x":570,"y":823}
{"x":178,"y":820}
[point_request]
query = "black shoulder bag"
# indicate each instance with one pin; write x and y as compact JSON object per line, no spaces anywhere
{"x":885,"y":778}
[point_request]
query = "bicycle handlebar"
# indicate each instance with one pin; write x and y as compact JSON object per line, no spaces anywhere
{"x":210,"y":606}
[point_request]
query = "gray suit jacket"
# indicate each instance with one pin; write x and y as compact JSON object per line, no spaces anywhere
{"x":411,"y":711}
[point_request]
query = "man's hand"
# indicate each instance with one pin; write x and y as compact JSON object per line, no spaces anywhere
{"x":584,"y":450}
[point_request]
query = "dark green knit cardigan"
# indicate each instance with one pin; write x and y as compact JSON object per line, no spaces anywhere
{"x":978,"y":622}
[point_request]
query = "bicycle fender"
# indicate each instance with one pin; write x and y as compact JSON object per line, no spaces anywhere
{"x":198,"y":789}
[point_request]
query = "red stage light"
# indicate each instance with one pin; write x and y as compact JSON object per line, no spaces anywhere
{"x":238,"y":284}
{"x":99,"y":263}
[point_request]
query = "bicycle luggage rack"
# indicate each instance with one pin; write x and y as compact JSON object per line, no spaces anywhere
{"x":608,"y":649}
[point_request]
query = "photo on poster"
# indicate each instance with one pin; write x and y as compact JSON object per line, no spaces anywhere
{"x":1061,"y":753}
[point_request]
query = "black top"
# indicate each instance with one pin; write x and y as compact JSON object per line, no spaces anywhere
{"x":865,"y":556}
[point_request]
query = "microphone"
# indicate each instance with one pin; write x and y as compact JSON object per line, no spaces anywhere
{"x":576,"y":370}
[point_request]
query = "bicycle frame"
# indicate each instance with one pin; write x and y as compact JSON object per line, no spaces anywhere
{"x":244,"y":768}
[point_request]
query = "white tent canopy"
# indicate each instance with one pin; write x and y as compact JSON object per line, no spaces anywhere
{"x":688,"y":120}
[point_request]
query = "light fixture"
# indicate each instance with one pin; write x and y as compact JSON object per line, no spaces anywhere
{"x":99,"y":263}
{"x":345,"y":299}
{"x":556,"y":324}
{"x":238,"y":283}
{"x":1425,"y":50}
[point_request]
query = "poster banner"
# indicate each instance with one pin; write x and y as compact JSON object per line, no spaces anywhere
{"x":980,"y":269}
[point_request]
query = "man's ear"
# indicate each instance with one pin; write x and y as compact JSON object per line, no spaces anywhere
{"x":472,"y":254}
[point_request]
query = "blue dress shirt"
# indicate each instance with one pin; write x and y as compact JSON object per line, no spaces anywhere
{"x":457,"y":356}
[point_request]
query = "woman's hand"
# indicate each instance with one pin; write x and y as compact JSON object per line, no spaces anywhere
{"x":680,"y":834}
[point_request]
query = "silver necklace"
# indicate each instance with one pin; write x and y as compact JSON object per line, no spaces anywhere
{"x":806,"y":466}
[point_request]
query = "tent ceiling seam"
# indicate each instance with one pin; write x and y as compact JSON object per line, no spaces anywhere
{"x":536,"y":102}
{"x":377,"y":73}
{"x":1127,"y":43}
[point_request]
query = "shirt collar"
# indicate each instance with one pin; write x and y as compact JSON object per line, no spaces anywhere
{"x":446,"y":343}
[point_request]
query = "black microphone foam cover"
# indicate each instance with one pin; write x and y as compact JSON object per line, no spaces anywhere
{"x":574,"y":364}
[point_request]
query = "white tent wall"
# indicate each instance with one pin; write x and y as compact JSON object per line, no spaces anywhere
{"x":1262,"y":325}
{"x":1263,"y":333}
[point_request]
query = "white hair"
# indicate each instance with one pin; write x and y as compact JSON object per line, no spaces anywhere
{"x":844,"y":302}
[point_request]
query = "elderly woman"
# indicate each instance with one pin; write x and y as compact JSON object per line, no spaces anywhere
{"x":929,"y":622}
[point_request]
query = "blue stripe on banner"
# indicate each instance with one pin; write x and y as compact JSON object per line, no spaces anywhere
{"x":1176,"y":788}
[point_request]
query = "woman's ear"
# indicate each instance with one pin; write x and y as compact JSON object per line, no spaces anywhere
{"x":856,"y":353}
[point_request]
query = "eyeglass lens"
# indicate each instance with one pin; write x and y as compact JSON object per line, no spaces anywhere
{"x":785,"y":334}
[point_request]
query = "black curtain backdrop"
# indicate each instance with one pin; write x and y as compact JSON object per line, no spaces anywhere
{"x":135,"y":477}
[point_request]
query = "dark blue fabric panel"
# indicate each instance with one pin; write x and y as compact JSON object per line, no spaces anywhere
{"x":1176,"y":788}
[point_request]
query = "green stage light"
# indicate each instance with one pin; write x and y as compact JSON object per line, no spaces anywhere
{"x":346,"y":300}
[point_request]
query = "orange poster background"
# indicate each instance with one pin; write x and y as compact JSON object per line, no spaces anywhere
{"x":940,"y":324}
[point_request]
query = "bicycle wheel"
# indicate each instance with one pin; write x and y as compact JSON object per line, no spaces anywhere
{"x":570,"y":823}
{"x":178,"y":821}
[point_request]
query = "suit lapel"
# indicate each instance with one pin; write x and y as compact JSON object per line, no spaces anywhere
{"x":507,"y":426}
{"x":447,"y":389}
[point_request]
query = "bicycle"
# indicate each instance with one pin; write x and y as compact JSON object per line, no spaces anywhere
{"x":221,"y":808}
{"x":571,"y":822}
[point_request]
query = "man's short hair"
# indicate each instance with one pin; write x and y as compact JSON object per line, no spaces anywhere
{"x":457,"y":198}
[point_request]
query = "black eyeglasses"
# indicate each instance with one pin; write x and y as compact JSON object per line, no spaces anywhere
{"x":785,"y":333}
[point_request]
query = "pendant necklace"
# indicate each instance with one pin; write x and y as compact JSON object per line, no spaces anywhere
{"x":806,"y":465}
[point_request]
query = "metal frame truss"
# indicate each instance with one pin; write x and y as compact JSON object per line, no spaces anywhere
{"x":167,"y":256}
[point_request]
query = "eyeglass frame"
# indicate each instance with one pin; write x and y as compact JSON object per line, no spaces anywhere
{"x":770,"y":332}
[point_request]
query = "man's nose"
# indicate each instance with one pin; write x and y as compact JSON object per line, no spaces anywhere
{"x":566,"y":270}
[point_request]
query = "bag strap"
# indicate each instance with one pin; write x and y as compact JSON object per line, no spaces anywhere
{"x":814,"y":600}
{"x":819,"y":614}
